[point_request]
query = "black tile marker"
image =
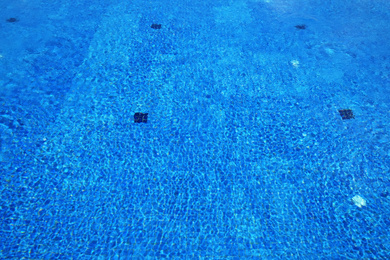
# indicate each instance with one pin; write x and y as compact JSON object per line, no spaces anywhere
{"x":140,"y":117}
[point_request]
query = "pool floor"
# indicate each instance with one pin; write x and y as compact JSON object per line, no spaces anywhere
{"x":194,"y":129}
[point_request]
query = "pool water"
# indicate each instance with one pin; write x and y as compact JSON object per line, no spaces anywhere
{"x":247,"y":129}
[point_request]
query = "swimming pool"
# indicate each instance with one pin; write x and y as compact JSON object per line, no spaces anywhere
{"x":194,"y":129}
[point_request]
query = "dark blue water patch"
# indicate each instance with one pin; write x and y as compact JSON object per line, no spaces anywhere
{"x":11,"y":123}
{"x":50,"y":74}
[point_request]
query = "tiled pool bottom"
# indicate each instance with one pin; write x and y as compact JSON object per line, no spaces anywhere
{"x":244,"y":154}
{"x":98,"y":189}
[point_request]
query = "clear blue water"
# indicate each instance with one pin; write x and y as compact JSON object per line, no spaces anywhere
{"x":244,"y":154}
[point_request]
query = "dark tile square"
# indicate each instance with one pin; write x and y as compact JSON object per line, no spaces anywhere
{"x":300,"y":26}
{"x":156,"y":26}
{"x":346,"y":114}
{"x":140,"y":117}
{"x":12,"y":20}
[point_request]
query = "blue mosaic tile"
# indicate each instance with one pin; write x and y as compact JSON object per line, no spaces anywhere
{"x":244,"y":155}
